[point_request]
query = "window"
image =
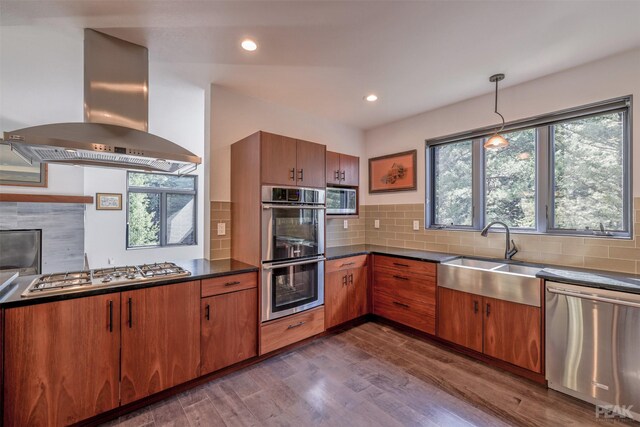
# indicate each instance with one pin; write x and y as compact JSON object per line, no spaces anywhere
{"x":566,"y":173}
{"x":161,"y":210}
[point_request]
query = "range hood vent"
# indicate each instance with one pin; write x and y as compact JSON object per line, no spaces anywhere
{"x":114,"y":133}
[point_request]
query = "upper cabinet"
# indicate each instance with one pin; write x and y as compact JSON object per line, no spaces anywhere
{"x":342,"y":169}
{"x":293,"y":162}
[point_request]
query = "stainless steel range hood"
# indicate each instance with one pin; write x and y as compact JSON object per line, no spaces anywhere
{"x":114,"y":133}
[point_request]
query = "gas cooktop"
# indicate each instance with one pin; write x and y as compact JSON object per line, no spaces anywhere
{"x":74,"y":281}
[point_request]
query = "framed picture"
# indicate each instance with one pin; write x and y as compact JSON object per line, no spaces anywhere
{"x":108,"y":202}
{"x":393,"y":172}
{"x":14,"y":170}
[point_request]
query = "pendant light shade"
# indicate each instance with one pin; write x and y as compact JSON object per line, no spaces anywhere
{"x":496,"y":140}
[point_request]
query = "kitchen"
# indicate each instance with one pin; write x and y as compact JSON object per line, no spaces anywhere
{"x":389,"y":322}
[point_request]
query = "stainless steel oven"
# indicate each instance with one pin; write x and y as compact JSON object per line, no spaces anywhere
{"x":292,"y":223}
{"x":291,"y":286}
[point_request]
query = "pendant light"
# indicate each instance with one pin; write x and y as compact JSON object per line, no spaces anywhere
{"x":496,"y":140}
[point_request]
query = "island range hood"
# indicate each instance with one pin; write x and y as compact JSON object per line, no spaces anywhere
{"x":114,"y":133}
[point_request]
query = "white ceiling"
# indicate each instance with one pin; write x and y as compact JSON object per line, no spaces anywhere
{"x":324,"y":56}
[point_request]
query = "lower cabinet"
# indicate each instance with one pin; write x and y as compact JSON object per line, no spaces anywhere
{"x":61,"y":361}
{"x":160,"y":338}
{"x":229,"y":329}
{"x":291,"y":329}
{"x":346,"y":290}
{"x":505,"y":330}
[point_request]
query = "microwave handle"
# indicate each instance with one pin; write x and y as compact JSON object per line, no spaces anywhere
{"x":290,"y":264}
{"x":292,"y":207}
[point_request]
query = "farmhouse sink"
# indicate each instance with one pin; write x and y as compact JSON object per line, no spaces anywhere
{"x":493,"y":279}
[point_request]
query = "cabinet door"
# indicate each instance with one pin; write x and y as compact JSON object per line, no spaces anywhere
{"x":512,"y":332}
{"x":278,"y":159}
{"x":61,"y":361}
{"x":349,"y":170}
{"x":460,"y":318}
{"x":336,"y":300}
{"x":333,"y":168}
{"x":160,"y":338}
{"x":358,"y":292}
{"x":310,"y":159}
{"x":229,"y":332}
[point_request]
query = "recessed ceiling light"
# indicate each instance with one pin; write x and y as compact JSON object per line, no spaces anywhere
{"x":371,"y":98}
{"x":248,"y":44}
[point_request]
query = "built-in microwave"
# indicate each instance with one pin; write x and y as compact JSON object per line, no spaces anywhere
{"x":342,"y":201}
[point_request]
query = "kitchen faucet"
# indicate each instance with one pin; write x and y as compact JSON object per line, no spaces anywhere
{"x":510,"y":248}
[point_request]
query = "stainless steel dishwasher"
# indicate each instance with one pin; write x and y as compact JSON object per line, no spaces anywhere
{"x":593,"y":345}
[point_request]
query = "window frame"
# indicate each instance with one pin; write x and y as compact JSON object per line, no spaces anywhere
{"x":544,"y":169}
{"x":163,"y":192}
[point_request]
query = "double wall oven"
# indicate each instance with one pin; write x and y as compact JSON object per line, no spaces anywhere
{"x":292,"y":250}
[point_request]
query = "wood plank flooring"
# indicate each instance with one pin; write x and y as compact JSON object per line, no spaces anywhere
{"x":370,"y":375}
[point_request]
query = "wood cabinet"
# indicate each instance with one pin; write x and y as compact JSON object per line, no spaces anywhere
{"x":504,"y":330}
{"x":346,"y":290}
{"x":289,"y":161}
{"x":291,"y":329}
{"x":229,"y":328}
{"x":405,"y":291}
{"x":460,"y":318}
{"x":61,"y":361}
{"x":342,"y":169}
{"x":160,"y":338}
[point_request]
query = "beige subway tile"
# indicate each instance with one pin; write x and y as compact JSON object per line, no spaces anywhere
{"x":436,"y":247}
{"x":461,"y":249}
{"x":395,"y":214}
{"x":636,"y":203}
{"x":403,"y":221}
{"x":372,"y":208}
{"x":215,"y":244}
{"x":489,"y":252}
{"x":380,"y":242}
{"x":526,"y":256}
{"x":225,"y":244}
{"x":220,"y":253}
{"x":395,"y":243}
{"x":624,"y":253}
{"x":404,"y":207}
{"x":425,"y":238}
{"x":386,"y":235}
{"x":540,"y":246}
{"x":405,"y":236}
{"x":386,"y":208}
{"x":413,"y":215}
{"x":397,"y":228}
{"x":585,"y":250}
{"x":562,"y":260}
{"x":225,"y":206}
{"x":215,"y":206}
{"x":449,"y":240}
{"x":610,"y":264}
{"x":414,"y":245}
{"x":418,"y":207}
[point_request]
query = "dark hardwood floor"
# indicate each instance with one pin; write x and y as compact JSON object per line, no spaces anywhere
{"x":371,"y":375}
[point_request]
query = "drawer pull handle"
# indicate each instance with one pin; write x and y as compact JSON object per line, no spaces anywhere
{"x":336,"y":175}
{"x":344,"y":280}
{"x":401,"y":304}
{"x":397,"y":264}
{"x":343,"y":176}
{"x":347,"y":264}
{"x":130,"y":303}
{"x":475,"y":307}
{"x":232,"y":283}
{"x":400,"y":277}
{"x":297,"y":325}
{"x":488,"y":309}
{"x":207,"y":311}
{"x":110,"y":316}
{"x":292,"y":174}
{"x":351,"y":278}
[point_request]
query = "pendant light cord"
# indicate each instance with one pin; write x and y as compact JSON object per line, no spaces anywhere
{"x":496,"y":109}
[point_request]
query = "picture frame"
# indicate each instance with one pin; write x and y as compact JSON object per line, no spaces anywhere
{"x":15,"y":171}
{"x":394,"y":172}
{"x":108,"y":201}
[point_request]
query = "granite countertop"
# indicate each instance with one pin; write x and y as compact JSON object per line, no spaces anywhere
{"x":347,"y":251}
{"x":199,"y":268}
{"x":592,"y":278}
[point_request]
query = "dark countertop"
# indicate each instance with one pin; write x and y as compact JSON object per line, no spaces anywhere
{"x":592,"y":278}
{"x":199,"y":268}
{"x":347,"y":251}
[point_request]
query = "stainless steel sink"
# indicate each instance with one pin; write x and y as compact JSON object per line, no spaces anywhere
{"x":494,"y":279}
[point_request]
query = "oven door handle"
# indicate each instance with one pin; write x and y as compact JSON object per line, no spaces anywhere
{"x":291,"y":264}
{"x":593,"y":297}
{"x":316,"y":207}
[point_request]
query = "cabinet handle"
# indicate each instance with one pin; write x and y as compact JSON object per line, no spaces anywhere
{"x":347,"y":264}
{"x":301,"y":173}
{"x":232,"y":283}
{"x":343,"y":176}
{"x":344,"y":280}
{"x":400,"y":265}
{"x":207,"y":312}
{"x":292,"y":174}
{"x":130,"y":304}
{"x":297,"y":325}
{"x":351,"y":278}
{"x":488,"y":309}
{"x":400,"y":277}
{"x":475,"y":307}
{"x":110,"y":316}
{"x":401,"y":304}
{"x":336,"y":175}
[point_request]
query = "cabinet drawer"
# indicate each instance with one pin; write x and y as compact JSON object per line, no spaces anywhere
{"x":224,"y":284}
{"x":405,"y":286}
{"x":406,"y":266}
{"x":282,"y":332}
{"x":346,"y":263}
{"x":416,"y":314}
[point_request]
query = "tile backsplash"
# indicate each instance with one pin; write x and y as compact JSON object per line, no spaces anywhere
{"x":337,"y":235}
{"x":220,"y":247}
{"x":395,"y":230}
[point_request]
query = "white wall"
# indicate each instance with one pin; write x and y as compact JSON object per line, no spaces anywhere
{"x":235,"y":116}
{"x":42,"y":82}
{"x":597,"y":81}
